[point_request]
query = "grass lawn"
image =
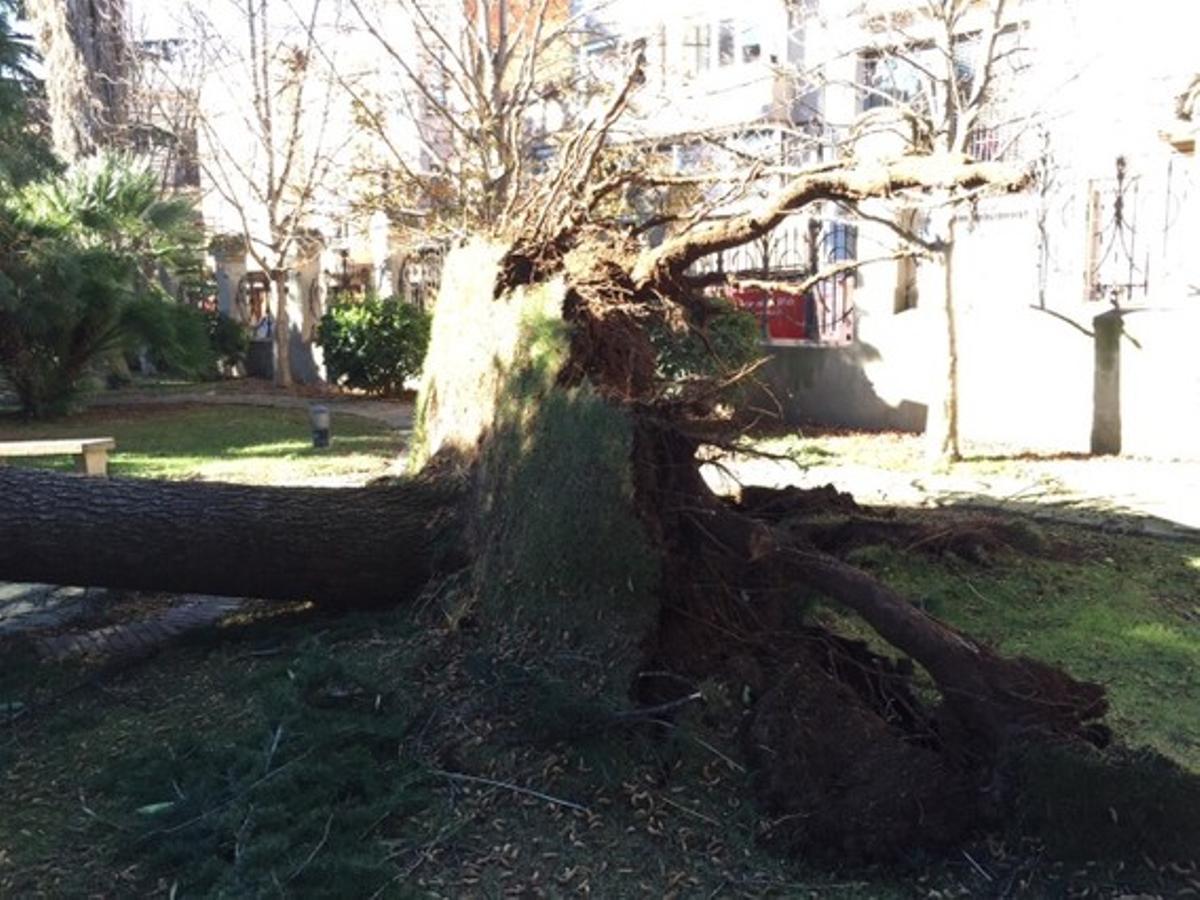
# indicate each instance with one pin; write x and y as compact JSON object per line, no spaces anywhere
{"x":1124,"y":612}
{"x":290,"y":753}
{"x":250,"y":444}
{"x":296,"y":754}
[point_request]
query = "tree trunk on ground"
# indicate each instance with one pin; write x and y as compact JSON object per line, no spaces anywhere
{"x":344,"y":548}
{"x":283,"y":336}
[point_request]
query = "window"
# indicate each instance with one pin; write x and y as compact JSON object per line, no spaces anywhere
{"x":984,"y":144}
{"x":886,"y":81}
{"x":797,"y":26}
{"x":697,"y":48}
{"x":725,"y":42}
{"x":965,"y":52}
{"x":751,"y":45}
{"x":841,"y":241}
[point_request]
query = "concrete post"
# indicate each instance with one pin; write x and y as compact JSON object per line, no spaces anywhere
{"x":230,"y":268}
{"x":1106,"y":400}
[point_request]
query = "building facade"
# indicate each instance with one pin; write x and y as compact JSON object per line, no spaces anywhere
{"x":1086,"y":98}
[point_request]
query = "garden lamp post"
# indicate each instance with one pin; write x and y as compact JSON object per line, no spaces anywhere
{"x":318,"y":416}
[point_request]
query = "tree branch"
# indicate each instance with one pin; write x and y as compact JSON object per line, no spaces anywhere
{"x":834,"y":181}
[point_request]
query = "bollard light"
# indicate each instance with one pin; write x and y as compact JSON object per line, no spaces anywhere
{"x":319,"y":417}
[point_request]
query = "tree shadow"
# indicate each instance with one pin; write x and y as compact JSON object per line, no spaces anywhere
{"x":829,"y":385}
{"x":1094,"y":513}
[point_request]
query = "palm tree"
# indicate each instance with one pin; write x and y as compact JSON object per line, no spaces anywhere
{"x":82,"y":259}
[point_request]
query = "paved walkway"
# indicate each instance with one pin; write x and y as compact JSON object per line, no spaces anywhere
{"x":397,"y":414}
{"x":63,"y":622}
{"x":1120,"y":495}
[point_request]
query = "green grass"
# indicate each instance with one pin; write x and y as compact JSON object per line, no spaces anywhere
{"x":299,"y":755}
{"x":251,"y":444}
{"x":220,"y":766}
{"x":1126,"y":613}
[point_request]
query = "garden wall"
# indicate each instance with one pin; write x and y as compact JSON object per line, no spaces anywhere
{"x":1028,"y":379}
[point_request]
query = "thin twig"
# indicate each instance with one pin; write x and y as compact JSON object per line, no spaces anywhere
{"x":91,"y":813}
{"x":974,"y":591}
{"x":691,"y":812}
{"x":275,"y":738}
{"x":517,"y":789}
{"x":733,"y":764}
{"x":978,"y":868}
{"x":227,"y":802}
{"x":315,"y":850}
{"x":650,"y":712}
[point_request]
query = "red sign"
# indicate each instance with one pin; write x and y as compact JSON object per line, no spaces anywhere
{"x":780,"y":311}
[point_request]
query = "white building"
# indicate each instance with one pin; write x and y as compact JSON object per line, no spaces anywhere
{"x":204,"y":55}
{"x":1080,"y":86}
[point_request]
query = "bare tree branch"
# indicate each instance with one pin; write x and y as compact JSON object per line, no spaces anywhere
{"x":832,"y":181}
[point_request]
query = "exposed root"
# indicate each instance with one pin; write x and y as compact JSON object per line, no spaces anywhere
{"x":843,"y":750}
{"x":776,"y":505}
{"x":832,"y":521}
{"x":845,"y":782}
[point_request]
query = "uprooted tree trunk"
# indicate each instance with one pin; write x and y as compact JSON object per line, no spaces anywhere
{"x":587,"y":523}
{"x":349,"y":548}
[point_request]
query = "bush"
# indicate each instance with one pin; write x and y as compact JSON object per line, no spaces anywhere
{"x":375,"y":345}
{"x":228,"y":338}
{"x":76,"y":282}
{"x":727,"y":342}
{"x":174,"y":335}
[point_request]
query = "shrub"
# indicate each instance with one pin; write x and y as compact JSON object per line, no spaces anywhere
{"x":727,"y":342}
{"x":375,"y":345}
{"x":175,"y":336}
{"x":228,"y":338}
{"x":79,"y":283}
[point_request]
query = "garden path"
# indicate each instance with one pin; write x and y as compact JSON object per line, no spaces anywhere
{"x":1116,"y":494}
{"x":397,"y":414}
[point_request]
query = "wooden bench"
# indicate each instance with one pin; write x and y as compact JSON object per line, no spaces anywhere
{"x":91,"y":454}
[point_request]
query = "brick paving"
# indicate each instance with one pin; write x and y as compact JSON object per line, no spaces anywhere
{"x":129,"y":640}
{"x":40,"y":607}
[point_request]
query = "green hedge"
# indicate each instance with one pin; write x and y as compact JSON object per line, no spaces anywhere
{"x":374,"y":345}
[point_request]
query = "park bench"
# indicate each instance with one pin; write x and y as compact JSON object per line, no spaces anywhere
{"x":91,"y":454}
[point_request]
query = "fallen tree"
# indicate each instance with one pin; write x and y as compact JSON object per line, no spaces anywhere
{"x":339,"y":546}
{"x":561,"y":473}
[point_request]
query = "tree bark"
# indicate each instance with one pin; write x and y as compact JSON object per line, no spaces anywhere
{"x":283,"y":350}
{"x":941,"y":430}
{"x":87,"y":62}
{"x":346,"y":547}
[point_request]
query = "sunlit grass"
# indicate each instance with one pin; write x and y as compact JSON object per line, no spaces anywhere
{"x":247,"y":444}
{"x":1127,"y":614}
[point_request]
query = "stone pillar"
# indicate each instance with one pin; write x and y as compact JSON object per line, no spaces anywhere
{"x":229,"y":270}
{"x":1106,"y":403}
{"x":381,"y":255}
{"x":306,"y":305}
